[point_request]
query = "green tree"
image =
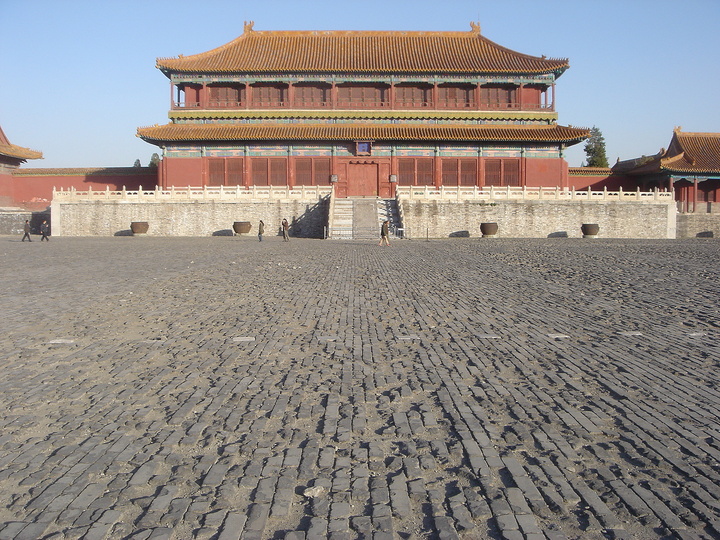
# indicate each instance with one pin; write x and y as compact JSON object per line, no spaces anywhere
{"x":595,"y":149}
{"x":154,"y":160}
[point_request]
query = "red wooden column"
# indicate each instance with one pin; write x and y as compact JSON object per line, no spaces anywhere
{"x":478,"y":95}
{"x":290,"y":167}
{"x":435,"y":95}
{"x":162,"y":171}
{"x":521,"y":100}
{"x":393,"y":169}
{"x":438,"y":168}
{"x":248,"y":95}
{"x":291,"y":95}
{"x":333,"y":163}
{"x":479,"y":179}
{"x":204,"y":98}
{"x":333,"y":96}
{"x":246,"y":166}
{"x":695,"y":194}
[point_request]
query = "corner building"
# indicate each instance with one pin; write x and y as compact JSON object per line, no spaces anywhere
{"x":363,"y":111}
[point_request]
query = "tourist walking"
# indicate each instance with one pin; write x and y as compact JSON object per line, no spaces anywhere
{"x":385,"y":233}
{"x":44,"y":230}
{"x":285,"y":230}
{"x":261,"y":230}
{"x":27,"y":231}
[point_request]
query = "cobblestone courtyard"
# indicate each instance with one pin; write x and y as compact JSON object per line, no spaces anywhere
{"x":222,"y":388}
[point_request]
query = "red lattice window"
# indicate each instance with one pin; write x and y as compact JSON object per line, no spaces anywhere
{"x":502,"y":172}
{"x":449,"y":172}
{"x":231,"y":95}
{"x":259,"y":172}
{"x":234,"y":171}
{"x":456,"y":96}
{"x":415,"y":172}
{"x":278,"y":171}
{"x":216,"y":172}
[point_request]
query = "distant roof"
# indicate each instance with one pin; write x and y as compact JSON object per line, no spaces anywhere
{"x":16,"y":152}
{"x":689,"y":153}
{"x":86,"y":171}
{"x":697,"y":153}
{"x":639,"y":166}
{"x":589,"y":171}
{"x":362,"y":52}
{"x":358,"y":132}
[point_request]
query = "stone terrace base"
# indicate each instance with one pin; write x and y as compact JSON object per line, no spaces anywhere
{"x":539,"y":219}
{"x":700,"y":225}
{"x":188,"y":218}
{"x":463,"y":388}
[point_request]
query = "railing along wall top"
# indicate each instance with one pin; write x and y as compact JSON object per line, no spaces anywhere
{"x":528,"y":193}
{"x":196,"y":193}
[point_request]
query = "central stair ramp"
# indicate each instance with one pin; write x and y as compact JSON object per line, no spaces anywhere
{"x":353,"y":219}
{"x":361,"y":218}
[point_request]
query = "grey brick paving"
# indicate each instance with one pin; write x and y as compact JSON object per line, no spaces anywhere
{"x":222,"y":388}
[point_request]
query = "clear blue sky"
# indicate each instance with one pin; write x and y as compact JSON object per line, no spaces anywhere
{"x":79,"y":76}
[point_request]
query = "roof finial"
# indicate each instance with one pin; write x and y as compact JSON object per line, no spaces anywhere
{"x":475,"y":26}
{"x":248,"y":27}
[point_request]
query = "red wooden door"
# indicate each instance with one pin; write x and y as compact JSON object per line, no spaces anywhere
{"x":362,"y":180}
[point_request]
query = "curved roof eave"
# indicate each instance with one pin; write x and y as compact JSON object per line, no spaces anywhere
{"x":362,"y":52}
{"x":197,"y":133}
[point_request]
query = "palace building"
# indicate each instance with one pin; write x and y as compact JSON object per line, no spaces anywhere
{"x":363,"y":111}
{"x":690,"y":167}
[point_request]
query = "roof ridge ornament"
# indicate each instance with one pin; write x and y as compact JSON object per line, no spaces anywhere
{"x":248,"y":27}
{"x":475,"y":27}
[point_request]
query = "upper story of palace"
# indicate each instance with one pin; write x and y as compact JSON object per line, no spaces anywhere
{"x":362,"y":71}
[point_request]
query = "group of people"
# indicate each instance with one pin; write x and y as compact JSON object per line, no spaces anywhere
{"x":384,"y":231}
{"x":285,"y":225}
{"x":44,"y":231}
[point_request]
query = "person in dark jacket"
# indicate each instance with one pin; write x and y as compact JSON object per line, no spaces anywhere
{"x":285,"y":230}
{"x":27,"y":231}
{"x":44,"y":230}
{"x":261,"y":230}
{"x":385,"y":233}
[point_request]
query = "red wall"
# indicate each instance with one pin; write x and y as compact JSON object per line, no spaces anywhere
{"x":181,"y":172}
{"x":6,"y":190}
{"x":598,"y":182}
{"x":545,"y":172}
{"x":32,"y":188}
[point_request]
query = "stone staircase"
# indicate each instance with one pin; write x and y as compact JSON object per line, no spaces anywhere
{"x":388,"y":209}
{"x":360,"y":219}
{"x":341,"y":220}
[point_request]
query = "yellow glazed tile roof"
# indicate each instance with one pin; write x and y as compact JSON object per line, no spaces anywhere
{"x":86,"y":171}
{"x":355,"y":132}
{"x":18,"y":152}
{"x":693,"y":153}
{"x":589,"y":171}
{"x":361,"y":52}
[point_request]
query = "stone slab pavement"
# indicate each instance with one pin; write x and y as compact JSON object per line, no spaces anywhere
{"x":222,"y":388}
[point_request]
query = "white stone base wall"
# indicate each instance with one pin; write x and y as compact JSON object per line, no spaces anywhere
{"x":187,"y":218}
{"x":698,"y":226}
{"x":538,"y":219}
